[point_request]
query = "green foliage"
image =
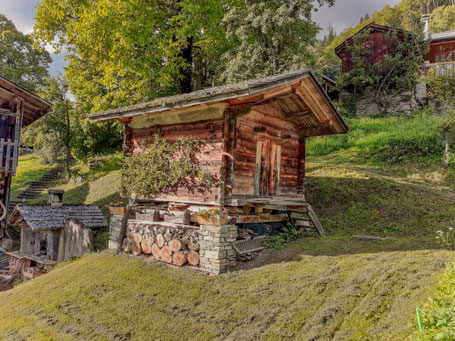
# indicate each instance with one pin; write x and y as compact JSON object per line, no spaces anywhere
{"x":270,"y":37}
{"x":163,"y":167}
{"x":20,"y":60}
{"x":138,"y":50}
{"x":441,"y":84}
{"x":384,"y":140}
{"x":132,"y":51}
{"x":397,"y":73}
{"x":287,"y":235}
{"x":438,"y":315}
{"x":54,"y":135}
{"x":443,"y":19}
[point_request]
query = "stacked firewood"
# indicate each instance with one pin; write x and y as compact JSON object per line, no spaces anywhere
{"x":173,"y":245}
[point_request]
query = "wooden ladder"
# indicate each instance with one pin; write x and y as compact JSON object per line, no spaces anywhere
{"x":307,"y":218}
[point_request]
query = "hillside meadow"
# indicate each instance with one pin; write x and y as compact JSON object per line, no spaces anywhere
{"x":384,"y":178}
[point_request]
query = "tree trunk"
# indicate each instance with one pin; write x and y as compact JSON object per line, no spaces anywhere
{"x":447,"y":140}
{"x":185,"y":72}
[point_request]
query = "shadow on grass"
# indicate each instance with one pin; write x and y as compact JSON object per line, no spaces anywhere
{"x":334,"y":246}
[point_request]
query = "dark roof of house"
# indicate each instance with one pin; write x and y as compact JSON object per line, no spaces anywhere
{"x":373,"y":26}
{"x":442,"y":36}
{"x":214,"y":94}
{"x":45,"y":217}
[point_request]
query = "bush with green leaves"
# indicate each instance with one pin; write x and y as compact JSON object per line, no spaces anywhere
{"x":287,"y":235}
{"x":163,"y":166}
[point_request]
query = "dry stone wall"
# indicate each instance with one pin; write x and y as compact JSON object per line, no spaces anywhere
{"x":217,"y":254}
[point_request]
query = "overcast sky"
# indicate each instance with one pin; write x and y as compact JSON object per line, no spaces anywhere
{"x":344,"y":14}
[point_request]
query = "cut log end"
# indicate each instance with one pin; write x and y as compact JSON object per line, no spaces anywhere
{"x":160,"y":240}
{"x":146,"y":245}
{"x":166,"y":254}
{"x":193,"y":258}
{"x":136,"y":249}
{"x":176,"y":244}
{"x":156,"y":252}
{"x":180,"y":258}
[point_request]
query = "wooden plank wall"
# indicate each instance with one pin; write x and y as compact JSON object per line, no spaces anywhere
{"x":211,"y":157}
{"x":443,"y":49}
{"x":262,"y":137}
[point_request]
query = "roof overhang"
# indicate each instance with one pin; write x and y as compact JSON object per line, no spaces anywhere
{"x":34,"y":106}
{"x":373,"y":26}
{"x":248,"y":93}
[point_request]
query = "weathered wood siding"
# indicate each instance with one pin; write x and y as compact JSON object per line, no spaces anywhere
{"x":441,"y":52}
{"x":266,"y":154}
{"x":210,"y":156}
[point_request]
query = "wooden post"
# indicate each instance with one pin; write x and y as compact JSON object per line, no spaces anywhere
{"x":257,"y":174}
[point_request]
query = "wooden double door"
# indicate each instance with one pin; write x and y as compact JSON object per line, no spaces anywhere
{"x":268,"y":168}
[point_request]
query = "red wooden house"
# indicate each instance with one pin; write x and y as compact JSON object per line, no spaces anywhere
{"x":377,"y":43}
{"x":18,"y":108}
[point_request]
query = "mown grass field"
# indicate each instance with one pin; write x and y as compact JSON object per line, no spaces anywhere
{"x":384,"y":178}
{"x":348,"y":297}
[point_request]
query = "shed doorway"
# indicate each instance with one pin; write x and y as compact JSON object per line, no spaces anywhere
{"x":268,"y":164}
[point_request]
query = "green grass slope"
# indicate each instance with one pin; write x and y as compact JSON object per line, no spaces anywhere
{"x":104,"y":297}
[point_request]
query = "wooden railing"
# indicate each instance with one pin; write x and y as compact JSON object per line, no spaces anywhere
{"x":10,"y":154}
{"x":440,"y":69}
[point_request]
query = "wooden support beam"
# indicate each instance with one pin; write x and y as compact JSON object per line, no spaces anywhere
{"x":314,"y":218}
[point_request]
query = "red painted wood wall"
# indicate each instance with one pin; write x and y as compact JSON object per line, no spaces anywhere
{"x":440,"y":52}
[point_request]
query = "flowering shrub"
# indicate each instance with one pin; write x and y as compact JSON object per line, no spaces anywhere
{"x":117,"y":204}
{"x":210,"y":213}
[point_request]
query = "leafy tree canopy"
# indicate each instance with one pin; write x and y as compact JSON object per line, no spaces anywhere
{"x":271,"y":37}
{"x":443,"y":19}
{"x":128,"y":51}
{"x":21,"y":62}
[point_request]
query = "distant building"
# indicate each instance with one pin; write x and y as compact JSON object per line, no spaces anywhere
{"x":441,"y":55}
{"x":376,"y":42}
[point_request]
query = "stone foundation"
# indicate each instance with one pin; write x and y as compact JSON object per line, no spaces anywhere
{"x":115,"y":226}
{"x":403,"y":103}
{"x":217,"y":254}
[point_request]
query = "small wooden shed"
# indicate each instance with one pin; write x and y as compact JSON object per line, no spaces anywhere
{"x":255,"y":134}
{"x":42,"y":226}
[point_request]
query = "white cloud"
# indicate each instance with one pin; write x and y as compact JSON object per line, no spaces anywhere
{"x":347,"y":13}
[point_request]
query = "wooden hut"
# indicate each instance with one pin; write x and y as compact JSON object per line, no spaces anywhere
{"x":18,"y":108}
{"x":255,"y":134}
{"x":53,"y":233}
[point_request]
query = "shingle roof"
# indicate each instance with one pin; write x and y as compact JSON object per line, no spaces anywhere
{"x":442,"y":35}
{"x":218,"y":93}
{"x":45,"y":217}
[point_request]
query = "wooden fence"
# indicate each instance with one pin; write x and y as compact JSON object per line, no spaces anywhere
{"x":440,"y":69}
{"x":10,"y":154}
